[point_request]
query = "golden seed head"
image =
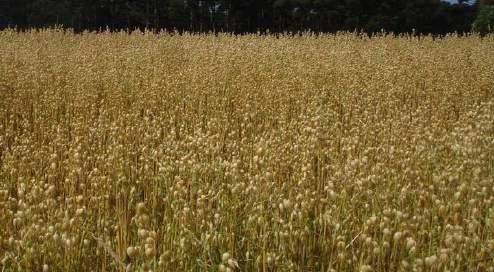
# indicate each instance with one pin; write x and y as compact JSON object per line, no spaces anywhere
{"x":430,"y":261}
{"x":225,"y":257}
{"x":149,"y":251}
{"x":131,"y":252}
{"x":140,"y":208}
{"x":397,"y":236}
{"x":365,"y":268}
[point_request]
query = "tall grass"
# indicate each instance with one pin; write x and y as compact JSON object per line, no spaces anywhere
{"x":255,"y":153}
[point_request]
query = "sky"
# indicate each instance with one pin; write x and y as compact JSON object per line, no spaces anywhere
{"x":456,"y":1}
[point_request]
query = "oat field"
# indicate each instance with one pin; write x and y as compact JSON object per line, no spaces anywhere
{"x":167,"y":152}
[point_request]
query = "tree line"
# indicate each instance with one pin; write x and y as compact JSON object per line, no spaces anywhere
{"x":242,"y":16}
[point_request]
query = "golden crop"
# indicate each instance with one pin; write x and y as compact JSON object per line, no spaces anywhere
{"x":186,"y":152}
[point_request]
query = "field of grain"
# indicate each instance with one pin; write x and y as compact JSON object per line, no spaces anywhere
{"x":161,"y":152}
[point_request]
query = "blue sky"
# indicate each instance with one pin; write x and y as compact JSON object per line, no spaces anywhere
{"x":456,"y":1}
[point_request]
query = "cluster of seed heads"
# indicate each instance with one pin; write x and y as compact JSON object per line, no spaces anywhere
{"x":167,"y":152}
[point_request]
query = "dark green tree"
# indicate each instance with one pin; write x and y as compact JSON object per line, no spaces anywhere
{"x":421,"y":16}
{"x":484,"y":23}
